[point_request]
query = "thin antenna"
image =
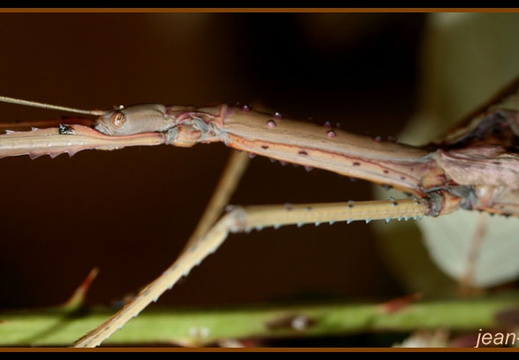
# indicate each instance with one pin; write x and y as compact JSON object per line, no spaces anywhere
{"x":51,"y":107}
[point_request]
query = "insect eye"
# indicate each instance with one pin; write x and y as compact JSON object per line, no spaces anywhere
{"x":118,"y":119}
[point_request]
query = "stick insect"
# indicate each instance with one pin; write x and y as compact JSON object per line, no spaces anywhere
{"x":475,"y":167}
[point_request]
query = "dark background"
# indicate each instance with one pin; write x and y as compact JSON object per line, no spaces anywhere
{"x":129,"y":212}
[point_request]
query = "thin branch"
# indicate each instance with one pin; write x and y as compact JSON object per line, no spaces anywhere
{"x":60,"y":326}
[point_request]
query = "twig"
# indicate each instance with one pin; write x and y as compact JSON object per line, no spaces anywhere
{"x":60,"y":326}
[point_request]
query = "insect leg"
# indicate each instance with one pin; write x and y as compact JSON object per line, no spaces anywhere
{"x":243,"y":219}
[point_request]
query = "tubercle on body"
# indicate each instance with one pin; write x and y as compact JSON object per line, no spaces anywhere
{"x":407,"y":168}
{"x":414,"y":170}
{"x":418,"y":171}
{"x":490,"y":184}
{"x":403,"y":167}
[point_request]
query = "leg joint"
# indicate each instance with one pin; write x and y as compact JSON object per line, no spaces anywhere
{"x":441,"y":203}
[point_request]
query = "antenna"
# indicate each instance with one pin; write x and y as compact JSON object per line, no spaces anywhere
{"x":51,"y":107}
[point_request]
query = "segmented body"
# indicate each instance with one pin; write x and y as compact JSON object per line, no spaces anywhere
{"x":471,"y":175}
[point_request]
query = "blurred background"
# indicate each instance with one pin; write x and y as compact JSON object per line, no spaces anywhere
{"x":129,"y":212}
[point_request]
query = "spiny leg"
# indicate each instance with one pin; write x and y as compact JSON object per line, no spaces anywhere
{"x":239,"y":219}
{"x":232,"y":174}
